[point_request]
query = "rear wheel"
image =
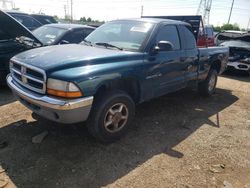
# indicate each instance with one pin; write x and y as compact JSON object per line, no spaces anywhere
{"x":111,"y":116}
{"x":207,"y":87}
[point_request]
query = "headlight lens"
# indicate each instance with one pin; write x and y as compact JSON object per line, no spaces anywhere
{"x":62,"y":89}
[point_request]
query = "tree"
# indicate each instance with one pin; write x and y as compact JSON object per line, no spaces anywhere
{"x":225,"y":27}
{"x":67,"y":18}
{"x":83,"y":19}
{"x":56,"y":17}
{"x":89,"y":19}
{"x":217,"y":29}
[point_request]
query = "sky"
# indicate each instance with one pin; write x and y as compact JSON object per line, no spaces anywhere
{"x":115,"y":9}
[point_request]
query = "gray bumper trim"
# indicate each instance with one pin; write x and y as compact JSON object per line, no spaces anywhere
{"x":49,"y":102}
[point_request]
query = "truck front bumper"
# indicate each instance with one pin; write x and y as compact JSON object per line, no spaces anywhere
{"x":59,"y":110}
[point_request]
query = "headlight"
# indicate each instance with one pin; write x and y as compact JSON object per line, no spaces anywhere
{"x":62,"y":89}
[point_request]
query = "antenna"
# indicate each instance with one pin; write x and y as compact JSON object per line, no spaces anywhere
{"x":204,"y":10}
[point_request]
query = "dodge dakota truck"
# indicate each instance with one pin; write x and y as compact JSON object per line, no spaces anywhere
{"x":120,"y":64}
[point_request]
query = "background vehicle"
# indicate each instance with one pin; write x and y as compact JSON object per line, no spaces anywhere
{"x":44,"y":19}
{"x":15,"y":38}
{"x":120,"y":64}
{"x":52,"y":34}
{"x":239,"y":48}
{"x":206,"y":37}
{"x":25,"y":19}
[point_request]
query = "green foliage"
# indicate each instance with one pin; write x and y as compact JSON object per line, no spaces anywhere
{"x":67,"y":18}
{"x":83,"y":19}
{"x":225,"y":27}
{"x":56,"y":17}
{"x":89,"y":19}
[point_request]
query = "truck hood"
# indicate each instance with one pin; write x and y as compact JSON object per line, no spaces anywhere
{"x":54,"y":58}
{"x":15,"y":29}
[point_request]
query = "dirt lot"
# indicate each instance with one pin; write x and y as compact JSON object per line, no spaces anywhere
{"x":179,"y":140}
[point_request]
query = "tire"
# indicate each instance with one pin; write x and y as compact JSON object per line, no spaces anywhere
{"x":207,"y":87}
{"x":116,"y":109}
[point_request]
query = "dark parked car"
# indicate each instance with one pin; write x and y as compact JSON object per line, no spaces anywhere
{"x":120,"y":64}
{"x":239,"y":48}
{"x":15,"y":38}
{"x":25,"y":19}
{"x":44,"y":19}
{"x":53,"y":34}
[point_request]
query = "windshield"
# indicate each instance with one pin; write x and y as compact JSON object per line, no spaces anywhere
{"x":236,"y":43}
{"x":126,"y":35}
{"x":48,"y":35}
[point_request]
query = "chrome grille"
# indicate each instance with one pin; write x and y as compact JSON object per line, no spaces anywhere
{"x":28,"y":76}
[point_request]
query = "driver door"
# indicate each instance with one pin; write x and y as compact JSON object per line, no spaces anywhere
{"x":167,"y":69}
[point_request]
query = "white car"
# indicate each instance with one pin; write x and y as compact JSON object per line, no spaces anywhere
{"x":239,"y":46}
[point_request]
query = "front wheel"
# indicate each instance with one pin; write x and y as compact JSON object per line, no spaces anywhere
{"x":207,"y":87}
{"x":111,"y":116}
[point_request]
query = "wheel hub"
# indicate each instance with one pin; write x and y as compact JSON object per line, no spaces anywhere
{"x":116,"y":117}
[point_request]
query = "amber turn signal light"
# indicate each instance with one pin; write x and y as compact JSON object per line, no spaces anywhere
{"x":69,"y":94}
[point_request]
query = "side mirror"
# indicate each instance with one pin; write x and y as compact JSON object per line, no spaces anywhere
{"x":64,"y":42}
{"x":164,"y":46}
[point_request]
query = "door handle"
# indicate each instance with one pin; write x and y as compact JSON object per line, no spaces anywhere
{"x":189,"y":67}
{"x":183,"y":58}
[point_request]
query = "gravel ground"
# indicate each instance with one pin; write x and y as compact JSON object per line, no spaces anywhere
{"x":179,"y":140}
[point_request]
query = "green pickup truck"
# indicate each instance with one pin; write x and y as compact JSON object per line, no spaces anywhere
{"x":120,"y":64}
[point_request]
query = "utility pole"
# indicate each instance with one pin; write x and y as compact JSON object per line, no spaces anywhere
{"x":141,"y":10}
{"x":65,"y":11}
{"x":248,"y":25}
{"x":230,"y":12}
{"x":4,"y":4}
{"x":71,"y":2}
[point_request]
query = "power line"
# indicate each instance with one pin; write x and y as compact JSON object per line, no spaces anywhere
{"x":230,"y":12}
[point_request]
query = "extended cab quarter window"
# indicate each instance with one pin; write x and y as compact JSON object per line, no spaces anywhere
{"x":188,"y":37}
{"x":169,"y":33}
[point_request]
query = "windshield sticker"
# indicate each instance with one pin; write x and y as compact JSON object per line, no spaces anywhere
{"x":50,"y":36}
{"x":142,"y":29}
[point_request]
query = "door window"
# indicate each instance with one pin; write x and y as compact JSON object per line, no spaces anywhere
{"x":169,"y":33}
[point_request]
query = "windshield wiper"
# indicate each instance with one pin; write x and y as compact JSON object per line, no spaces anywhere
{"x":87,"y":42}
{"x":107,"y":45}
